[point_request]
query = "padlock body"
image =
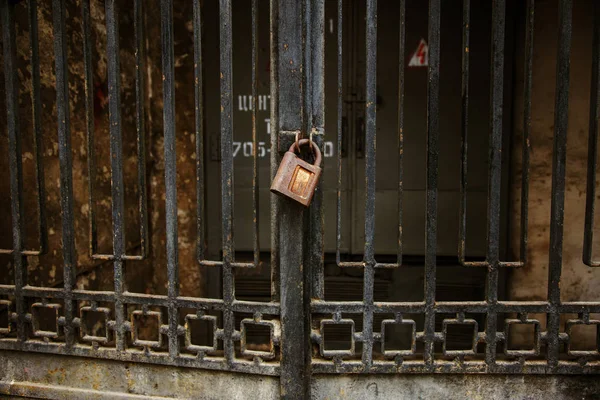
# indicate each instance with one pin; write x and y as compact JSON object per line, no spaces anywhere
{"x":296,"y":179}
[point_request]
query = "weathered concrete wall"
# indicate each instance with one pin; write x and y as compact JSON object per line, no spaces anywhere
{"x":57,"y":377}
{"x":450,"y":387}
{"x":579,"y":282}
{"x":60,"y":377}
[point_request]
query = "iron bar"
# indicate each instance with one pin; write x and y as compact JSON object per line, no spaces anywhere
{"x":530,"y":28}
{"x":116,"y":158}
{"x":495,"y":175}
{"x":590,"y":206}
{"x":401,"y":81}
{"x":254,"y":75}
{"x":314,"y":218}
{"x":140,"y":356}
{"x":275,"y":157}
{"x":557,"y":212}
{"x":11,"y":79}
{"x":90,"y":123}
{"x":462,"y":226}
{"x":140,"y":124}
{"x":433,"y":102}
{"x":448,"y":367}
{"x":370,"y":165}
{"x":314,"y":245}
{"x":226,"y":57}
{"x":168,"y":65}
{"x":66,"y":166}
{"x":199,"y":131}
{"x":340,"y":139}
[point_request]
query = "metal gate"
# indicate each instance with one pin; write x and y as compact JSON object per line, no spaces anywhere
{"x":297,"y":318}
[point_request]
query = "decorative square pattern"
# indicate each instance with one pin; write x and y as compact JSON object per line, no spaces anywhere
{"x":188,"y":333}
{"x":457,"y":322}
{"x":38,"y":308}
{"x":135,"y":316}
{"x":5,"y":306}
{"x":84,"y":313}
{"x":274,"y":333}
{"x":569,"y":329}
{"x":536,"y":337}
{"x":337,"y":353}
{"x":399,"y":352}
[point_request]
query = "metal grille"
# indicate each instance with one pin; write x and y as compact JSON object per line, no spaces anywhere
{"x":489,"y":350}
{"x":71,"y":311}
{"x":296,"y":319}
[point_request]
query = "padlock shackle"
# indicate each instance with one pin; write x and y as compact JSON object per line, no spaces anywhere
{"x":315,"y":149}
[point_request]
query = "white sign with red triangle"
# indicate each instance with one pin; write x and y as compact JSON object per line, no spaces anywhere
{"x":420,"y":57}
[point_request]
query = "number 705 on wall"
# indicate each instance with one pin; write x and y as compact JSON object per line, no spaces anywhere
{"x":245,"y":149}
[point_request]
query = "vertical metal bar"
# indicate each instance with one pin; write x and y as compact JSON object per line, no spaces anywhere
{"x":433,"y":103}
{"x":495,"y":175}
{"x":316,"y":20}
{"x":90,"y":124}
{"x":530,"y":28}
{"x":466,"y":34}
{"x":314,"y":259}
{"x":140,"y":123}
{"x":590,"y":207}
{"x":116,"y":163}
{"x":36,"y":116}
{"x":66,"y":165}
{"x":314,"y":255}
{"x":561,"y":114}
{"x":166,"y":13}
{"x":340,"y":132}
{"x":291,"y":36}
{"x":254,"y":62}
{"x":199,"y":128}
{"x":275,"y":157}
{"x":226,"y":58}
{"x":315,"y":249}
{"x":370,"y":163}
{"x":307,"y":111}
{"x":401,"y":78}
{"x":11,"y":78}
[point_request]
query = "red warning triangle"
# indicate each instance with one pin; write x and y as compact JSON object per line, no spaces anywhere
{"x":420,"y":57}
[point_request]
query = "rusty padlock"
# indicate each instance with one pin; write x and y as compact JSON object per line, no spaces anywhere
{"x":296,"y":178}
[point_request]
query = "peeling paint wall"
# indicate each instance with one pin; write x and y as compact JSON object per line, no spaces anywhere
{"x":94,"y":274}
{"x":46,"y":270}
{"x":191,"y":278}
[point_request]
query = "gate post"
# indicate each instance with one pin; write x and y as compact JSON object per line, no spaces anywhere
{"x":297,"y":94}
{"x":287,"y":113}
